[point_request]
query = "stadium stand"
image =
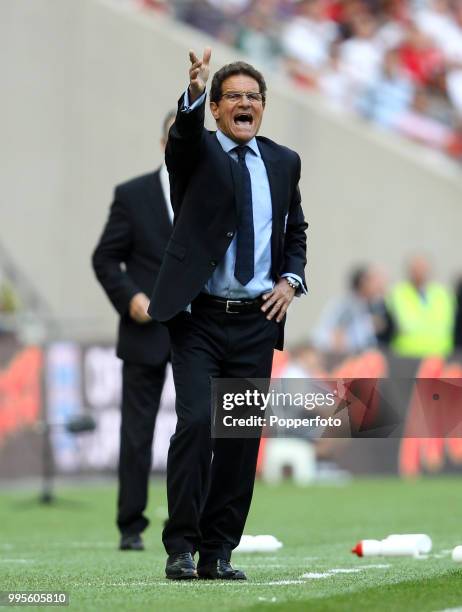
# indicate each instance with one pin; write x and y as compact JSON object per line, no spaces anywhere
{"x":397,"y":63}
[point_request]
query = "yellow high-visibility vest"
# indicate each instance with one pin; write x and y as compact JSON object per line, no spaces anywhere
{"x":424,"y":326}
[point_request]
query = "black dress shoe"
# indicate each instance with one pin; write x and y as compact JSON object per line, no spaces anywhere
{"x":131,"y":542}
{"x":220,"y":570}
{"x":181,"y":566}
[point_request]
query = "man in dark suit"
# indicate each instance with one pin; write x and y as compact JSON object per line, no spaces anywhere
{"x":126,"y":261}
{"x":234,"y":262}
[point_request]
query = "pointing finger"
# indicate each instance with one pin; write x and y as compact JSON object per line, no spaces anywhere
{"x":193,"y":57}
{"x":207,"y":55}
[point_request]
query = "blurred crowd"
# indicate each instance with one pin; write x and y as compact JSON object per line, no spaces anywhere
{"x":416,"y":318}
{"x":397,"y":63}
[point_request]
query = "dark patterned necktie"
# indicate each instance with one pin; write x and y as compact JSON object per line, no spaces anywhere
{"x":244,"y":268}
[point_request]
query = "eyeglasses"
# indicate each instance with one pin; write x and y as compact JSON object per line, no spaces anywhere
{"x":236,"y":96}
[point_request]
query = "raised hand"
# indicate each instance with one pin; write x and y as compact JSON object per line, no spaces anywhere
{"x":198,"y":73}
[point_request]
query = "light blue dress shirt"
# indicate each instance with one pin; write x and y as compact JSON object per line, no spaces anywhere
{"x":223,"y":282}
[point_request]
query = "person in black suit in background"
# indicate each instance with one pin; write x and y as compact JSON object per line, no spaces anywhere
{"x":126,"y":262}
{"x":234,"y":263}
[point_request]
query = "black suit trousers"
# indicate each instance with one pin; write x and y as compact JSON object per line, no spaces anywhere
{"x":210,"y":481}
{"x":141,"y":391}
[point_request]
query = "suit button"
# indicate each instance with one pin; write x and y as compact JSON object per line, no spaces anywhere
{"x":229,"y":234}
{"x":213,"y":263}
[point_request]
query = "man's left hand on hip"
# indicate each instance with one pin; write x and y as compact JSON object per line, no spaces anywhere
{"x":278,"y":300}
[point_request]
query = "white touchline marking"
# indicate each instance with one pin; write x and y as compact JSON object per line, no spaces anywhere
{"x":88,"y":544}
{"x":280,"y":582}
{"x":129,"y":584}
{"x":273,"y":599}
{"x":211,"y":584}
{"x":316,"y":575}
{"x":258,"y":565}
{"x":344,"y":570}
{"x":375,"y":566}
{"x":459,"y":609}
{"x":264,"y":557}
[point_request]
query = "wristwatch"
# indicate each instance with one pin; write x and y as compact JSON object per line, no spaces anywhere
{"x":293,"y":282}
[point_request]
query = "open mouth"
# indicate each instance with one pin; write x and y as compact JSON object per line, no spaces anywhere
{"x":243,"y":119}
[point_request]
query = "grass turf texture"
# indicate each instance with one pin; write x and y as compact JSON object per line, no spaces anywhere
{"x":72,"y":547}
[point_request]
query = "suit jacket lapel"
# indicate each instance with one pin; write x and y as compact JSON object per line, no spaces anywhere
{"x":275,"y":182}
{"x":231,"y":167}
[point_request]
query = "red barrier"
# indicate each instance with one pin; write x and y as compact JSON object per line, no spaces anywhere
{"x":20,"y":392}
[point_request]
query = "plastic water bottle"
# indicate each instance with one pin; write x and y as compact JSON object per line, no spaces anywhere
{"x":457,"y":554}
{"x":386,"y":548}
{"x":422,"y":540}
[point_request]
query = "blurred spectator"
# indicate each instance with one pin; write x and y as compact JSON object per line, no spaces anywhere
{"x":305,"y":361}
{"x":453,"y":54}
{"x":384,"y":325}
{"x":392,"y":31}
{"x":417,"y":124}
{"x":359,"y":320}
{"x":391,"y":96}
{"x":306,"y":40}
{"x":436,"y":22}
{"x":454,"y":88}
{"x":423,"y":312}
{"x":361,"y":55}
{"x":458,"y":317}
{"x":334,"y":83}
{"x":202,"y":15}
{"x":258,"y":35}
{"x":230,"y":7}
{"x":420,"y":57}
{"x":9,"y":301}
{"x":343,"y":13}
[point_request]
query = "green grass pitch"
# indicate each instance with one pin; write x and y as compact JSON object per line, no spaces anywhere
{"x":72,"y":547}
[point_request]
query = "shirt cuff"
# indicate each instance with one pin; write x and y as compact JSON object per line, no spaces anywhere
{"x":186,"y":108}
{"x":302,"y":289}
